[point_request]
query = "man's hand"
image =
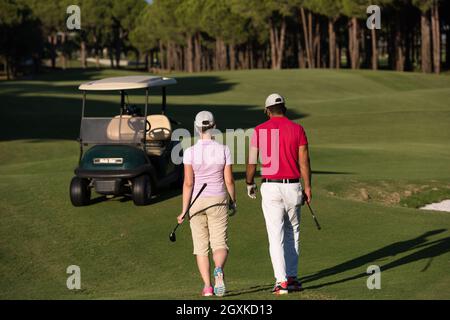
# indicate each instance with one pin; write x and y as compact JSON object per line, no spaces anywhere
{"x":180,"y":218}
{"x":307,"y":194}
{"x":251,"y":190}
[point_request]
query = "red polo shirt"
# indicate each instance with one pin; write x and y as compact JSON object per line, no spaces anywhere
{"x":278,"y":141}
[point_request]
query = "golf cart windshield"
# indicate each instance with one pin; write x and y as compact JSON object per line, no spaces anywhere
{"x":133,"y":125}
{"x":118,"y":130}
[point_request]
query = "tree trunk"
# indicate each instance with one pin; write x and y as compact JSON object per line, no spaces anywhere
{"x":83,"y":54}
{"x":354,"y":43}
{"x":436,"y":32}
{"x":273,"y":46}
{"x":426,"y":43}
{"x":277,"y":42}
{"x":374,"y":49}
{"x":96,"y":50}
{"x":111,"y":56}
{"x":118,"y":50}
{"x":253,"y":60}
{"x":178,"y":57}
{"x":198,"y":53}
{"x":97,"y":60}
{"x":162,"y":55}
{"x":281,"y":44}
{"x":447,"y":49}
{"x":316,"y":46}
{"x":151,"y":60}
{"x":223,"y":55}
{"x":232,"y":50}
{"x":169,"y":55}
{"x":7,"y":69}
{"x":310,"y":38}
{"x":52,"y":39}
{"x":399,"y":50}
{"x":306,"y":37}
{"x":332,"y":43}
{"x":338,"y":57}
{"x":189,"y":55}
{"x":217,"y":55}
{"x":300,"y":53}
{"x":63,"y":50}
{"x":248,"y":57}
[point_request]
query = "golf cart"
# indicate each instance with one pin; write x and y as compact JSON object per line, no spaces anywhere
{"x":128,"y":154}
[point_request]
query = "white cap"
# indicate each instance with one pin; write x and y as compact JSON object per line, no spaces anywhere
{"x":204,"y":119}
{"x":274,"y":99}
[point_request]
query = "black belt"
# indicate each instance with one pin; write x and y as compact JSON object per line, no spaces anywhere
{"x":280,"y":180}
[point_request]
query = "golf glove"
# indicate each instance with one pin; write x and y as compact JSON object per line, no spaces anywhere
{"x":232,"y":208}
{"x":251,"y":190}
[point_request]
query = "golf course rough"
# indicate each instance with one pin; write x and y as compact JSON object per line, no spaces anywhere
{"x":378,"y":131}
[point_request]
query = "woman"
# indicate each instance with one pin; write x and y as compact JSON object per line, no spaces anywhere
{"x":208,"y":162}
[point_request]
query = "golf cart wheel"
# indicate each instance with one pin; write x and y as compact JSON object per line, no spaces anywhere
{"x":142,"y":190}
{"x":80,"y":193}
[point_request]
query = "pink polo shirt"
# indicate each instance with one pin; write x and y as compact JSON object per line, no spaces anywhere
{"x":278,"y":141}
{"x":208,"y":159}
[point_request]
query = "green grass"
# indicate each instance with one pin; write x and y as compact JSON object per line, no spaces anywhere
{"x":385,"y":132}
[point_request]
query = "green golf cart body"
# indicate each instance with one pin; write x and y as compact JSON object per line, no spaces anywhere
{"x":129,"y":154}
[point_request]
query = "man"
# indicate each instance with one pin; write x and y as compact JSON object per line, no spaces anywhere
{"x":283,"y":147}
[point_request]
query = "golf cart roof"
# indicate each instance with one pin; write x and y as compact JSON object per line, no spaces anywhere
{"x":127,"y":83}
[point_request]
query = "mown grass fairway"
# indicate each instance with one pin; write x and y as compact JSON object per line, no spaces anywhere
{"x":377,"y":139}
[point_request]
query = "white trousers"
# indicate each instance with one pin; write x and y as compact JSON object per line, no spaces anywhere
{"x":281,"y":208}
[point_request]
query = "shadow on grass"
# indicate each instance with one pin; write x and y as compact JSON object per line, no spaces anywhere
{"x":426,"y":250}
{"x":39,"y":110}
{"x":162,"y":194}
{"x":254,"y":289}
{"x":40,"y":118}
{"x":53,"y":83}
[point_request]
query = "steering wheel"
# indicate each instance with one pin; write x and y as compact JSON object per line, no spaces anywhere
{"x":164,"y":131}
{"x":148,"y":126}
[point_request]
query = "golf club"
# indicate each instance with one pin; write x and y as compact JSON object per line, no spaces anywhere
{"x":314,"y":217}
{"x":172,"y":235}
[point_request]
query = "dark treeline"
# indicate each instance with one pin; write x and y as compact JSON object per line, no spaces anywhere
{"x":203,"y":35}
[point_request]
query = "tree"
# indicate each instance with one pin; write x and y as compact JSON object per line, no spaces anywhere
{"x":145,"y":37}
{"x":124,"y":13}
{"x":430,"y":25}
{"x":188,"y":14}
{"x":227,"y":27}
{"x":332,"y":9}
{"x":52,"y":14}
{"x":20,"y":35}
{"x":271,"y":15}
{"x":354,"y":9}
{"x":97,"y":23}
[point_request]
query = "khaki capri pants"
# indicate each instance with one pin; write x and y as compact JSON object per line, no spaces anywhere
{"x":209,"y":224}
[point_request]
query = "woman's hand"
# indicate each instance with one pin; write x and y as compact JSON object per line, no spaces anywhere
{"x":180,"y":218}
{"x":232,"y":208}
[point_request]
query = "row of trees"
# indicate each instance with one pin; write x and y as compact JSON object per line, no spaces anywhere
{"x":35,"y":30}
{"x":196,"y":35}
{"x":200,"y":35}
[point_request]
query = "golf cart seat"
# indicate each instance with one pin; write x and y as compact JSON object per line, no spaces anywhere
{"x":159,"y":135}
{"x":125,"y":128}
